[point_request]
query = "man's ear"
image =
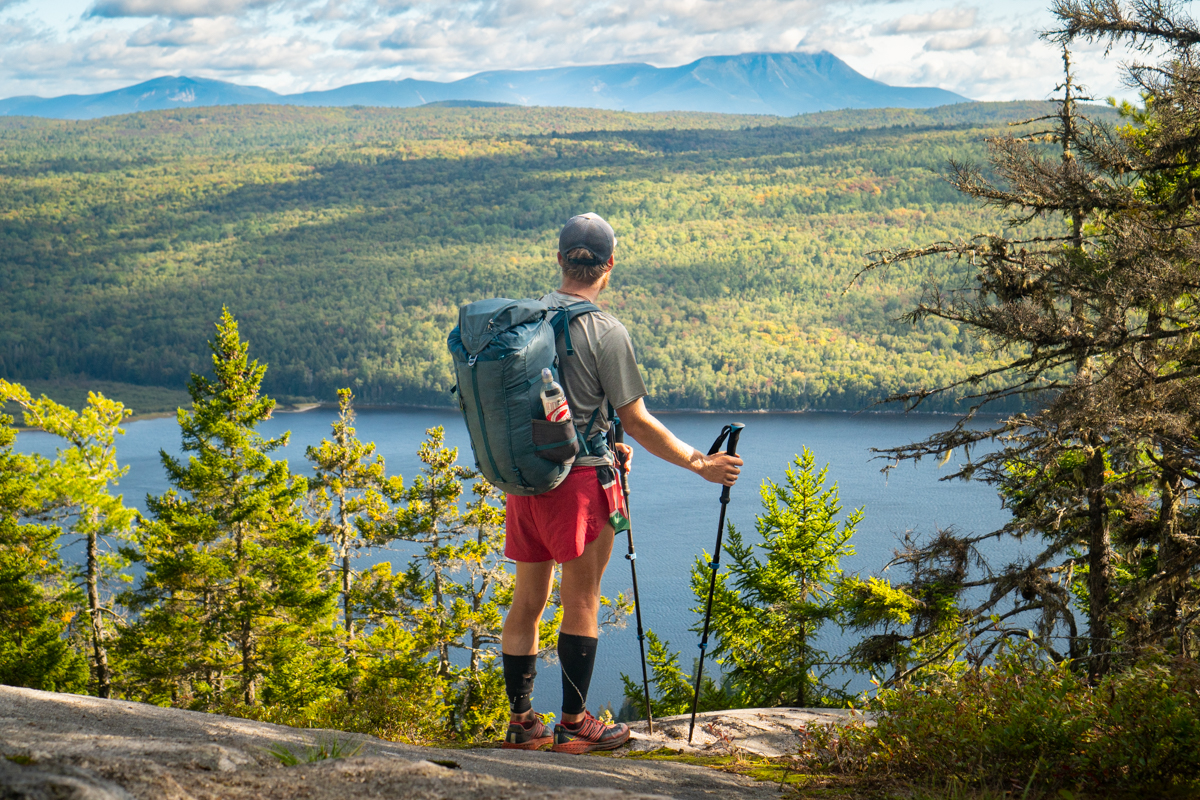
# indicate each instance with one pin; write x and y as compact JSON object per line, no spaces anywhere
{"x":612,"y":260}
{"x":560,"y":259}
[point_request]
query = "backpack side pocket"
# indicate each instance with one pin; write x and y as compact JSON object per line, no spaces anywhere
{"x":555,"y":441}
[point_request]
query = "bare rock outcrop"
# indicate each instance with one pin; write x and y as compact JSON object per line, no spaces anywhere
{"x":69,"y":747}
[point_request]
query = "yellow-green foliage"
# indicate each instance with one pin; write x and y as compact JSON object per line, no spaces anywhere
{"x":1027,"y":721}
{"x":345,"y":239}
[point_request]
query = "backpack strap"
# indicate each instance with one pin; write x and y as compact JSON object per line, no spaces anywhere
{"x":564,"y":315}
{"x":588,"y":431}
{"x":589,"y":444}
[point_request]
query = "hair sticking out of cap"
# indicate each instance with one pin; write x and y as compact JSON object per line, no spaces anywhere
{"x":581,"y":265}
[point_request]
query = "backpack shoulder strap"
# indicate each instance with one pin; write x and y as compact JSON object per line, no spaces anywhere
{"x":564,"y":315}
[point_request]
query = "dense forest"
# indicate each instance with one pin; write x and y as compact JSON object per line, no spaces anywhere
{"x":345,"y":239}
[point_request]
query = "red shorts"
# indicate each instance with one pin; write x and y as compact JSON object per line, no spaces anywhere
{"x":561,"y":522}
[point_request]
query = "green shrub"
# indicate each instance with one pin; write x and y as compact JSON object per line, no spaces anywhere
{"x":1025,"y":720}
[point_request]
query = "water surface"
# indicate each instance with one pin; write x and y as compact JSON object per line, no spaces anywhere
{"x":674,"y":512}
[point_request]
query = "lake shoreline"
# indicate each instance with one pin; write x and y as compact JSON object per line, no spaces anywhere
{"x":668,"y":411}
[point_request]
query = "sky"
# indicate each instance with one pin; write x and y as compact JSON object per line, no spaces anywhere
{"x":982,"y":50}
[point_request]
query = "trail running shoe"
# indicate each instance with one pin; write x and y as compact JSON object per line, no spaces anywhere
{"x":589,"y":734}
{"x":529,"y":735}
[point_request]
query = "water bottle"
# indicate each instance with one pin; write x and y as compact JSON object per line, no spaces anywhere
{"x":554,"y":400}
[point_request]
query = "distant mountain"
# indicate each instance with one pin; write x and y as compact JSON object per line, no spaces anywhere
{"x":152,"y":95}
{"x":784,"y":84}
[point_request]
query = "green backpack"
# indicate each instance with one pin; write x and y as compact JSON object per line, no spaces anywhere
{"x":499,"y":348}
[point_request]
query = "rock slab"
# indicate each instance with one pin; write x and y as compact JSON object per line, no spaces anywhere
{"x":70,"y":747}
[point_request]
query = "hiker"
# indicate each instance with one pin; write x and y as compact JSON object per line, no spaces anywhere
{"x":573,"y":524}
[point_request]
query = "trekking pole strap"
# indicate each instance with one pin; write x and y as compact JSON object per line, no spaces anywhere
{"x":733,"y":431}
{"x":712,"y":451}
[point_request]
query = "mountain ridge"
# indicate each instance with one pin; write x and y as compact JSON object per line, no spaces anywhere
{"x":781,"y":84}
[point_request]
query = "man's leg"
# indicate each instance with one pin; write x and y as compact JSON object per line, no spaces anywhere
{"x":579,"y":592}
{"x":519,"y":640}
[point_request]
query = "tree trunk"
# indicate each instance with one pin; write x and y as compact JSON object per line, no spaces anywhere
{"x":439,"y":586}
{"x":443,"y":645}
{"x":802,"y":691}
{"x":245,"y":642}
{"x":1166,"y":607}
{"x":247,"y":662}
{"x":344,"y":536}
{"x":1099,"y":568}
{"x":346,"y":595}
{"x":99,"y":652}
{"x":1099,"y":547}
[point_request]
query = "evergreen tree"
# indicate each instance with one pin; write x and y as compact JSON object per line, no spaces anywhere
{"x":456,"y":587}
{"x":231,"y":586}
{"x":79,"y":482}
{"x":37,"y":602}
{"x":1096,"y":321}
{"x":351,"y":496}
{"x":767,"y":614}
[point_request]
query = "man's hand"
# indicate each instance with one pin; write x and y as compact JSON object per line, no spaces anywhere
{"x":624,"y":456}
{"x":721,"y":468}
{"x":653,"y":435}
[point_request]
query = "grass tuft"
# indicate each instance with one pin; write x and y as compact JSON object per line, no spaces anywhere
{"x":322,"y":750}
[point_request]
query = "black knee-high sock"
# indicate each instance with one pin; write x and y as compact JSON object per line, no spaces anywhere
{"x":519,"y":672}
{"x":577,"y":654}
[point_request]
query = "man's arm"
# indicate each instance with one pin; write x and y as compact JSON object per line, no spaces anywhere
{"x":651,"y":434}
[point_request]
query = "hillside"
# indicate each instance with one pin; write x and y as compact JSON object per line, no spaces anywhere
{"x":345,"y":239}
{"x":751,"y":83}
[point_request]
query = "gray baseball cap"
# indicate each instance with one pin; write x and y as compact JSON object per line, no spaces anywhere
{"x":590,"y":232}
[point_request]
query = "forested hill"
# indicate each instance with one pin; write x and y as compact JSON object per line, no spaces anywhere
{"x":344,"y":240}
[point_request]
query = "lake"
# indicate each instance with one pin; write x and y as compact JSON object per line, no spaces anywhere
{"x":674,"y":513}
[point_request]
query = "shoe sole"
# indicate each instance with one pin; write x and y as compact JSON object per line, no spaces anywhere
{"x":532,"y":744}
{"x":578,"y":746}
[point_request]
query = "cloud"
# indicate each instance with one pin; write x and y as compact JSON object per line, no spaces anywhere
{"x":966,"y":40}
{"x":186,"y":33}
{"x":178,"y":9}
{"x":944,"y":19}
{"x":332,"y":12}
{"x":299,"y":45}
{"x":15,"y":32}
{"x":454,"y":39}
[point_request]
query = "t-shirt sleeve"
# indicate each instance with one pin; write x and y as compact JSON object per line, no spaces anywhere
{"x":619,"y":375}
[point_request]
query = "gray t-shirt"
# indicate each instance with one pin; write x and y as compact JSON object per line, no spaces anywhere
{"x":603,"y":369}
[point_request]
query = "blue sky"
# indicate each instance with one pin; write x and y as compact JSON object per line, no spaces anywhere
{"x":983,"y":50}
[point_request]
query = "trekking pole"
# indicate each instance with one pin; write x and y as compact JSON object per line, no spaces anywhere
{"x":733,"y":431}
{"x":619,"y":438}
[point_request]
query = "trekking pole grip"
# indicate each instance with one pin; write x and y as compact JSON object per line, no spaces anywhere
{"x":735,"y":432}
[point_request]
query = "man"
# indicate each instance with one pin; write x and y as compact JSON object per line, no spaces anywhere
{"x":573,"y":524}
